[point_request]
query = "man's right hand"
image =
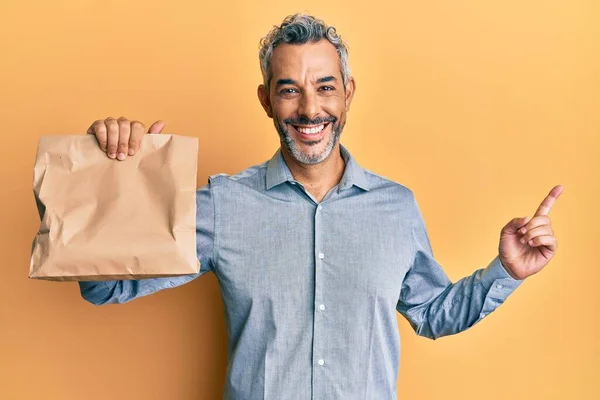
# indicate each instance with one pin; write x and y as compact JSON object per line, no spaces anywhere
{"x":121,"y":137}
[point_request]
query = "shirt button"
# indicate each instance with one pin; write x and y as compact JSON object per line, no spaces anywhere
{"x":321,"y":256}
{"x":319,"y":207}
{"x":321,"y":362}
{"x":499,"y":286}
{"x":322,"y":307}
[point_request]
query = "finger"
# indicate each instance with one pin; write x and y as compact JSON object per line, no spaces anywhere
{"x":535,"y":221}
{"x":91,"y":130}
{"x":124,"y":133}
{"x":514,"y":225}
{"x":546,"y":240}
{"x":548,"y":202}
{"x":112,"y":136}
{"x":535,"y":232}
{"x":99,"y":129}
{"x":138,"y":130}
{"x":157,"y":127}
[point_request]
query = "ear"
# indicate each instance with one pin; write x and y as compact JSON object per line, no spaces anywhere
{"x":265,"y":102}
{"x":350,"y":88}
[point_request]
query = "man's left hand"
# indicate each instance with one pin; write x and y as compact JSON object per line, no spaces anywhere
{"x":527,"y":244}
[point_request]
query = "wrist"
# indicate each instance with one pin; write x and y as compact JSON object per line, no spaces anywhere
{"x":507,"y":269}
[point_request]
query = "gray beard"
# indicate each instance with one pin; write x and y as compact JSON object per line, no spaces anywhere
{"x":303,"y":158}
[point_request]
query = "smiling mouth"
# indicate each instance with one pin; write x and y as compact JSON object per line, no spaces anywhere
{"x":310,"y":130}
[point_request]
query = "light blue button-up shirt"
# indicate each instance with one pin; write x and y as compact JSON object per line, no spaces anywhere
{"x":311,"y":289}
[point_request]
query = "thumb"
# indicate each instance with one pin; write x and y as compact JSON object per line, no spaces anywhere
{"x":157,"y":127}
{"x":515,"y":224}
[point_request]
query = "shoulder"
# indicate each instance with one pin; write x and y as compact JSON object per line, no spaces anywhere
{"x":253,"y":176}
{"x":380,"y":184}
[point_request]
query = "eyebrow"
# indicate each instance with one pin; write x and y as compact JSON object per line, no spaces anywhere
{"x":282,"y":82}
{"x":329,"y":78}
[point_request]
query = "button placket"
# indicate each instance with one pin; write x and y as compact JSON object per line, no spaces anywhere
{"x":319,"y":307}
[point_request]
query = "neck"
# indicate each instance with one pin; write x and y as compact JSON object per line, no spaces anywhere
{"x":317,"y":179}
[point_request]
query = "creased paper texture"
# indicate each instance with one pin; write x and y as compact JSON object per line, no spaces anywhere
{"x":105,"y":219}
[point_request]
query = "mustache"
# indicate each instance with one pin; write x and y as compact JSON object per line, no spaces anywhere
{"x":305,"y":121}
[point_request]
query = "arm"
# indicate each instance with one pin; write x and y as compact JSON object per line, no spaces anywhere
{"x":122,"y":291}
{"x":436,"y":307}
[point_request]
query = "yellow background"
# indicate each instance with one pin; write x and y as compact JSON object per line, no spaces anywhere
{"x":480,"y":107}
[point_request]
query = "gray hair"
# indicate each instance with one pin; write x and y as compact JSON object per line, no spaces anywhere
{"x":299,"y":29}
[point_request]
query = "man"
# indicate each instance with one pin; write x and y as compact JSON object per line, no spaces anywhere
{"x":314,"y":254}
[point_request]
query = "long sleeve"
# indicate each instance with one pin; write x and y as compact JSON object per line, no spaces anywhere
{"x":122,"y":291}
{"x":434,"y":305}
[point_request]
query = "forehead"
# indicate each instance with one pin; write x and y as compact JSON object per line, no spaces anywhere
{"x":305,"y":61}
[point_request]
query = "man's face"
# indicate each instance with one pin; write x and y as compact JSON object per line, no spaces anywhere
{"x":307,"y":99}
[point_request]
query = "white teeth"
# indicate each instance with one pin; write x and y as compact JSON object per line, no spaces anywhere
{"x":310,"y":131}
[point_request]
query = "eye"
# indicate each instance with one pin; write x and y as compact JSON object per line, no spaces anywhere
{"x":326,"y":88}
{"x":288,"y":91}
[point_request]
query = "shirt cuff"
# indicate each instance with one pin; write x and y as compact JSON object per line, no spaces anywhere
{"x":497,"y":281}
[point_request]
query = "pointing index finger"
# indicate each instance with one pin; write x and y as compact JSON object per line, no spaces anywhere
{"x":548,"y":202}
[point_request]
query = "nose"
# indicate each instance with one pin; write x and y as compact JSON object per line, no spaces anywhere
{"x":309,"y":105}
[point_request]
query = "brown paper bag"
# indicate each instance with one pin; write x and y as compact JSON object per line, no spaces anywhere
{"x":105,"y":219}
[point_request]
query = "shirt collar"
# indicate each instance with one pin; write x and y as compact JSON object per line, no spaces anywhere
{"x":278,"y":172}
